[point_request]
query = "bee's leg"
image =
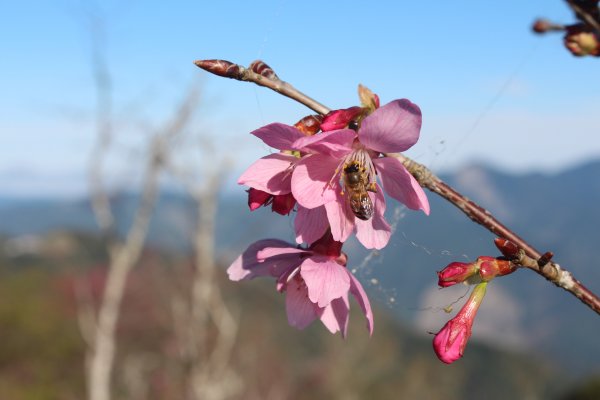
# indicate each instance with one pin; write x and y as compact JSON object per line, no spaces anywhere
{"x":372,"y":187}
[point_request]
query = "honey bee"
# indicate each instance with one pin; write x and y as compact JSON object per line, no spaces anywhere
{"x":357,"y":184}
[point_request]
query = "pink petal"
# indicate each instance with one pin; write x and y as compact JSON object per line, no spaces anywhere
{"x":271,"y":174}
{"x":363,"y":301}
{"x":392,"y":128}
{"x":334,"y":143}
{"x":300,"y":310}
{"x":374,"y":233}
{"x":269,"y":252}
{"x":311,"y":180}
{"x":247,"y":266}
{"x":310,"y":224}
{"x":326,"y":280}
{"x":279,"y":136}
{"x":340,"y":216}
{"x":400,"y":184}
{"x":335,"y":315}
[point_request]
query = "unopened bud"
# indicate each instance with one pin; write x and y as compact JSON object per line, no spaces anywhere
{"x":543,"y":26}
{"x":456,"y":272}
{"x":261,"y":68}
{"x":257,"y":198}
{"x":507,"y":248}
{"x":309,"y":125}
{"x":450,"y":342}
{"x":339,"y":119}
{"x":223,"y":68}
{"x":283,"y":203}
{"x":490,"y":268}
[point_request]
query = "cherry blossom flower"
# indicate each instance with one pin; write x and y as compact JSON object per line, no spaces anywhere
{"x":269,"y":178}
{"x":317,"y":177}
{"x":315,"y":280}
{"x":450,"y":342}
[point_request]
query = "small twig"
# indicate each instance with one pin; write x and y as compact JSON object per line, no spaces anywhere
{"x":591,"y":20}
{"x":234,"y":71}
{"x":551,"y":271}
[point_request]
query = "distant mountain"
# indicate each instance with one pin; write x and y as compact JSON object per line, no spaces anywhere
{"x":557,"y":212}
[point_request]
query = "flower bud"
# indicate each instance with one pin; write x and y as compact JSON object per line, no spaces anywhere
{"x":339,"y":119}
{"x":222,"y":68}
{"x":492,"y":267}
{"x":507,"y":248}
{"x":450,"y":342}
{"x":456,"y":272}
{"x":258,"y":198}
{"x":283,"y":204}
{"x":309,"y":125}
{"x":484,"y":269}
{"x":261,"y":68}
{"x":543,"y":26}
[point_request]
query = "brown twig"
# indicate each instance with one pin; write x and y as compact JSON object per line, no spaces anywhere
{"x":591,"y":19}
{"x":551,"y":271}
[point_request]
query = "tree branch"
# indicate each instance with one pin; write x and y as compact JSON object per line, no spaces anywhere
{"x":551,"y":271}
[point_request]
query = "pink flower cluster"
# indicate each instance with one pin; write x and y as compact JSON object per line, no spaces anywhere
{"x":335,"y":182}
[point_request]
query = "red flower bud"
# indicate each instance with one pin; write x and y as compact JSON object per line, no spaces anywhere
{"x":507,"y":248}
{"x":484,"y":269}
{"x":309,"y":125}
{"x":450,"y":342}
{"x":456,"y":272}
{"x":283,"y":203}
{"x":258,"y":198}
{"x":493,"y":267}
{"x":339,"y":119}
{"x":223,"y":68}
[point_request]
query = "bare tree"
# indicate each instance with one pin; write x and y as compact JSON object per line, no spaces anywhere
{"x":207,"y":328}
{"x":99,"y":330}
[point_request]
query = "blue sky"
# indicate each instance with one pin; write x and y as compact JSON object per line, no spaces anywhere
{"x":489,"y":89}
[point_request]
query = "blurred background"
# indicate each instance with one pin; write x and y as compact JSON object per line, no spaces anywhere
{"x":119,"y":209}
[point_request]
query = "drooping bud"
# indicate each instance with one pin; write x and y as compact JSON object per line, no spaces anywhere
{"x":223,"y":68}
{"x":450,"y":342}
{"x":339,"y":119}
{"x":257,"y":198}
{"x":581,"y":41}
{"x":283,"y":204}
{"x":368,"y":99}
{"x":456,"y":272}
{"x":309,"y":125}
{"x":261,"y":68}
